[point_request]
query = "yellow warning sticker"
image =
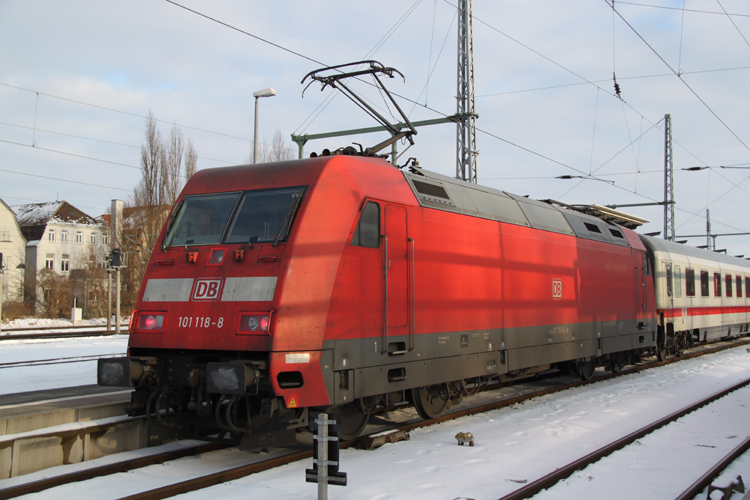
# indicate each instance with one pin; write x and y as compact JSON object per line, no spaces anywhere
{"x":292,"y":403}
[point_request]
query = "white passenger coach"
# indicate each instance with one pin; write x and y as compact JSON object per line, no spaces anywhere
{"x":700,"y":295}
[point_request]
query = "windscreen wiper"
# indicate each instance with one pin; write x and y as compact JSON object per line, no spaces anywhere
{"x":289,"y":218}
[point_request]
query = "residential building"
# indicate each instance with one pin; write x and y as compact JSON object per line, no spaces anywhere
{"x":13,"y":249}
{"x":60,"y":238}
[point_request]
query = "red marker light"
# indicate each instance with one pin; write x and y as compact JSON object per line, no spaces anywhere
{"x":150,"y":322}
{"x":254,"y":323}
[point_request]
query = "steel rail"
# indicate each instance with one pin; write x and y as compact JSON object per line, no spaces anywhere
{"x":103,"y":470}
{"x":69,"y":327}
{"x":56,"y":361}
{"x":91,"y":332}
{"x":566,"y":471}
{"x":242,"y":471}
{"x":239,"y":472}
{"x":713,"y":473}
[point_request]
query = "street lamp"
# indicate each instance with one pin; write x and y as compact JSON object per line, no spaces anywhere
{"x":269,"y":92}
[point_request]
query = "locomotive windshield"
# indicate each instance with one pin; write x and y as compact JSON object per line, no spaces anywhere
{"x":249,"y":217}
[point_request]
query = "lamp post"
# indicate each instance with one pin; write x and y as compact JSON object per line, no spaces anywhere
{"x":269,"y":92}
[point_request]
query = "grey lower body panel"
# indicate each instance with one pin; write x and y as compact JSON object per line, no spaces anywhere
{"x":373,"y":366}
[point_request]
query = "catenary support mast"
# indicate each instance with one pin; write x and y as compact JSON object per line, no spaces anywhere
{"x":466,"y":128}
{"x":668,"y":181}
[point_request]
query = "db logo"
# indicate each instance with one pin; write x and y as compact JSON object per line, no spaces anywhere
{"x":207,"y":289}
{"x":557,"y":289}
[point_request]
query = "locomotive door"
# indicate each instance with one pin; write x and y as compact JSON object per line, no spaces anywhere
{"x":396,"y":271}
{"x":668,"y":299}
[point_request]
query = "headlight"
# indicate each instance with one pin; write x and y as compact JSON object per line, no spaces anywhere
{"x":254,"y":323}
{"x":150,"y":322}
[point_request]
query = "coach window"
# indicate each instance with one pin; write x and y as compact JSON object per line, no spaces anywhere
{"x":729,"y":284}
{"x":646,"y":269}
{"x":677,"y":281}
{"x":367,"y":233}
{"x":704,"y":283}
{"x":738,"y":280}
{"x":669,"y":280}
{"x":747,"y":287}
{"x":689,"y":282}
{"x":717,"y":285}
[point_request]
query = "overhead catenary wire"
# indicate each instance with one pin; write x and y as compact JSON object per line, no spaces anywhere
{"x":65,"y":180}
{"x":682,"y":9}
{"x":427,"y":107}
{"x":660,"y":75}
{"x":705,"y":104}
{"x":102,"y":141}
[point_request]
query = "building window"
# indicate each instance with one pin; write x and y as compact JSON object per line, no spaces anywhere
{"x":729,"y":284}
{"x":4,"y":235}
{"x":717,"y":285}
{"x":51,"y":234}
{"x":64,"y":236}
{"x":49,"y":262}
{"x":93,"y":238}
{"x":105,"y":239}
{"x":79,"y":237}
{"x":690,"y":282}
{"x":65,"y":263}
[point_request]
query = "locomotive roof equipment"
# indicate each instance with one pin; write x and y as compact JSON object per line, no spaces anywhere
{"x":335,"y":79}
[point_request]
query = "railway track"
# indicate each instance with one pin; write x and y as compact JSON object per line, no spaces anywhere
{"x":54,"y":361}
{"x":553,"y":478}
{"x":53,"y":332}
{"x":706,"y":479}
{"x":234,"y":473}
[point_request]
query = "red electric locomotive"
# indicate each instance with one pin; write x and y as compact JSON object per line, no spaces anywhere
{"x":343,"y":282}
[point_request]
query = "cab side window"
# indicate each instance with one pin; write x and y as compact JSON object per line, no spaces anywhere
{"x":367,"y":233}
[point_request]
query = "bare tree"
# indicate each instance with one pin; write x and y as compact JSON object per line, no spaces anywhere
{"x":147,"y":192}
{"x":162,"y":179}
{"x":172,"y":167}
{"x":191,"y":160}
{"x":276,"y":151}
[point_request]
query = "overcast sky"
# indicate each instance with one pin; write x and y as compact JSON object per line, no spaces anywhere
{"x":77,"y":79}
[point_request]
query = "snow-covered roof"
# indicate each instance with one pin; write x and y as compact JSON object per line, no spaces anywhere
{"x":33,"y":218}
{"x":58,"y":212}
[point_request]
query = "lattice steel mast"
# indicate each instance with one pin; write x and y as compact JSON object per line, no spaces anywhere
{"x":668,"y":181}
{"x":466,"y":127}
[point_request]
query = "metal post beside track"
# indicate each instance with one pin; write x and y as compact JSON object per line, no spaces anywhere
{"x":325,"y":471}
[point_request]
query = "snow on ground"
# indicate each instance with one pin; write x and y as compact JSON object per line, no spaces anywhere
{"x":53,"y":376}
{"x":513,"y":445}
{"x":18,"y":379}
{"x":50,"y":323}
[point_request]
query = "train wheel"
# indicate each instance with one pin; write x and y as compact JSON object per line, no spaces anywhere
{"x":586,"y":369}
{"x":353,"y":420}
{"x":431,"y":401}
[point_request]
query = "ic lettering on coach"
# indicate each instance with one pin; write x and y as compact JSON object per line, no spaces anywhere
{"x":207,"y":289}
